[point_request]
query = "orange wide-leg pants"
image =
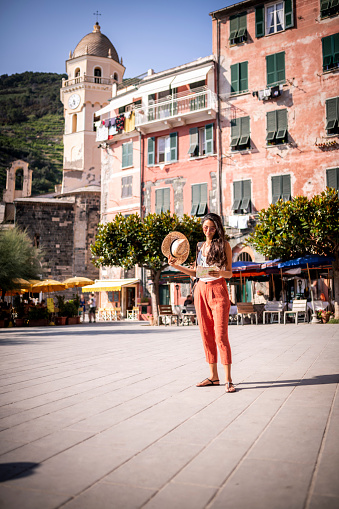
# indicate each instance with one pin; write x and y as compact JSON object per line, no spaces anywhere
{"x":212,"y":305}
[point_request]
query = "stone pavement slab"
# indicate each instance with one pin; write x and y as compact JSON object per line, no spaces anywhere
{"x":108,"y":416}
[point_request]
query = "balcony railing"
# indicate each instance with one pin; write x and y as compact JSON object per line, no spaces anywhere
{"x":178,"y":105}
{"x":88,"y":79}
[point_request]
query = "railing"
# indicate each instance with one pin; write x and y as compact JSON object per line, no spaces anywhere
{"x":88,"y":79}
{"x":178,"y":105}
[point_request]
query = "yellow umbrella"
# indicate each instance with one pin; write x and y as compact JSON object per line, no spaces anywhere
{"x":21,"y":283}
{"x":48,"y":285}
{"x":77,"y":281}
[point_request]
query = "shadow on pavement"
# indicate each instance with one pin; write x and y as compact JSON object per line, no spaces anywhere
{"x":17,"y":470}
{"x":317,"y":380}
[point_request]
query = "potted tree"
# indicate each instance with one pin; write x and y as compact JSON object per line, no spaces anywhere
{"x":71,"y":311}
{"x":20,"y":314}
{"x":38,"y":316}
{"x":62,"y":317}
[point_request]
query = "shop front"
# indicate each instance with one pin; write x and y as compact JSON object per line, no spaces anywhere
{"x":115,"y":293}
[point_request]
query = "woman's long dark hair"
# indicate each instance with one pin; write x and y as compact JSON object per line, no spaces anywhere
{"x":217,"y":252}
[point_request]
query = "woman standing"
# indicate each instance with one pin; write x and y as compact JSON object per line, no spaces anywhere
{"x":211,"y":298}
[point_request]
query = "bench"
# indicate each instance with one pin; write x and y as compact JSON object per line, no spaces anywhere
{"x":165,"y":311}
{"x":298,"y":307}
{"x":246,"y":309}
{"x":273,"y":308}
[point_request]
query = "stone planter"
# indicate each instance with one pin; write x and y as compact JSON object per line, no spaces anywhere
{"x":78,"y":319}
{"x":2,"y":323}
{"x":41,"y":322}
{"x":72,"y":320}
{"x":60,"y":320}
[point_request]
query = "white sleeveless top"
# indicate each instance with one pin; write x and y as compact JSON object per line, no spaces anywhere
{"x":201,"y":260}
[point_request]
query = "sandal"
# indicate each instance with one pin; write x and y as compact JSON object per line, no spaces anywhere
{"x":211,"y":382}
{"x":229,"y":387}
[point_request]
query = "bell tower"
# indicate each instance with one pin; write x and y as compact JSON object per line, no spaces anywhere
{"x":92,"y":68}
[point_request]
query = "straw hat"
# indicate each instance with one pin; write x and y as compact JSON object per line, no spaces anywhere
{"x":176,"y":245}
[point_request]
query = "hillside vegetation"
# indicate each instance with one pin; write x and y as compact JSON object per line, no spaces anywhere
{"x":31,"y":127}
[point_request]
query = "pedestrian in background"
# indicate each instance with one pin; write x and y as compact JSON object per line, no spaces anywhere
{"x":92,"y":308}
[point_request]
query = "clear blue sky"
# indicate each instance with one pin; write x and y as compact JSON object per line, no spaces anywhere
{"x":37,"y":35}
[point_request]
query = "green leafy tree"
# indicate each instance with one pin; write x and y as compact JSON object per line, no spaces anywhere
{"x":18,"y":258}
{"x":300,"y":227}
{"x":129,"y":241}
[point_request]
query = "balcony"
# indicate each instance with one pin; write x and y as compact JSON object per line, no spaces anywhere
{"x":87,"y":79}
{"x":183,"y":108}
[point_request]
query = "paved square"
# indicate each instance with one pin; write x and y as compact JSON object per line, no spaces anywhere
{"x":108,"y":416}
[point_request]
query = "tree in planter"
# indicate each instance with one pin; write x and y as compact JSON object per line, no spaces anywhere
{"x":129,"y":241}
{"x":300,"y":227}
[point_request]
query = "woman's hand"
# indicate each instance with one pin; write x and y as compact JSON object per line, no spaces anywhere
{"x":171,"y":260}
{"x":214,"y":273}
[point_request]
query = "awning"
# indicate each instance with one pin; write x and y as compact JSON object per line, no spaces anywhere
{"x":117,"y":102}
{"x":191,"y":76}
{"x":109,"y":285}
{"x":156,"y":85}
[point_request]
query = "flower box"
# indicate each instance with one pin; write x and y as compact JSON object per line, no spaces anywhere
{"x":60,"y":320}
{"x":72,"y":320}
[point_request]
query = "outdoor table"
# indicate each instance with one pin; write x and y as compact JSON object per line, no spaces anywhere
{"x":318,"y":305}
{"x":233,"y":314}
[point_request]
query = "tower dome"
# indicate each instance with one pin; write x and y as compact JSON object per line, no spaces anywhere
{"x":97,"y":44}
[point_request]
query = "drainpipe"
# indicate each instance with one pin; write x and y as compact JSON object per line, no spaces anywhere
{"x":219,"y":138}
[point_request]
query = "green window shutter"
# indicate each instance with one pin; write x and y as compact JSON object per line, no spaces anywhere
{"x":203,"y":200}
{"x":289,"y":18}
{"x":234,"y":78}
{"x":195,"y":199}
{"x":335,"y":38}
{"x":158,"y":200}
{"x":234,"y":26}
{"x":332,"y":106}
{"x":243,"y":76}
{"x":276,"y":188}
{"x":271,"y":125}
{"x":235,"y":132}
{"x":242,"y":24}
{"x":209,"y":139}
{"x":280,"y":66}
{"x":324,"y":4}
{"x":166,"y":203}
{"x":281,"y":124}
{"x":174,"y":146}
{"x":237,"y":195}
{"x":286,"y":187}
{"x":194,"y":141}
{"x":332,"y":178}
{"x":327,"y":44}
{"x":244,"y":130}
{"x":246,"y":194}
{"x":259,"y":21}
{"x":150,"y":151}
{"x":125,"y":155}
{"x":270,"y":69}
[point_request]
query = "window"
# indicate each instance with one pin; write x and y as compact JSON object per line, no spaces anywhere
{"x":239,"y":81}
{"x":329,"y":8}
{"x":150,"y":151}
{"x":201,"y":141}
{"x":167,"y":148}
{"x":238,"y":28}
{"x":19,"y":179}
{"x":199,"y":200}
{"x":276,"y":127}
{"x":273,"y":18}
{"x":332,"y":178}
{"x":36,"y":240}
{"x":115,"y":76}
{"x":242,"y":196}
{"x":330,"y":52}
{"x":240,"y":133}
{"x":77,"y":75}
{"x":275,"y":68}
{"x":127,"y":155}
{"x":97,"y":75}
{"x":281,"y":188}
{"x":126,"y":186}
{"x":332,"y":115}
{"x":244,"y":257}
{"x":74,"y":123}
{"x":162,"y":200}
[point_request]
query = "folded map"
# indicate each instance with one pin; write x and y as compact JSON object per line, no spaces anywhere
{"x":204,"y":271}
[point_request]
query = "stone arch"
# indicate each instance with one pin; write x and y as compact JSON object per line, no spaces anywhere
{"x":116,"y":76}
{"x":242,"y":253}
{"x":23,"y":190}
{"x":97,"y":74}
{"x":77,"y":72}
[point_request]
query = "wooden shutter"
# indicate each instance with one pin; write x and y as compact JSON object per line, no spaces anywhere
{"x":286,"y":187}
{"x":289,"y":18}
{"x":234,"y":78}
{"x":271,"y":125}
{"x":335,"y":38}
{"x":281,"y":124}
{"x":234,"y":26}
{"x":332,"y":178}
{"x":244,"y":130}
{"x":327,"y":51}
{"x":270,"y":69}
{"x":209,"y":142}
{"x":243,"y":76}
{"x":280,"y":66}
{"x":125,"y":155}
{"x":123,"y":187}
{"x":276,"y":188}
{"x":129,"y":153}
{"x":195,"y":199}
{"x":324,"y":4}
{"x":246,"y":194}
{"x":259,"y":21}
{"x":235,"y":132}
{"x":332,"y":106}
{"x":203,"y":200}
{"x":158,"y":200}
{"x":194,"y":141}
{"x":174,"y":146}
{"x":166,"y":200}
{"x":237,"y":195}
{"x":150,"y":151}
{"x":242,"y":24}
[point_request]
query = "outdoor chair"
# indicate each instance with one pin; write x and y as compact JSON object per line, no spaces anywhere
{"x":116,"y":314}
{"x":298,"y":307}
{"x":133,"y":314}
{"x":246,"y":309}
{"x":273,"y":309}
{"x":167,"y":315}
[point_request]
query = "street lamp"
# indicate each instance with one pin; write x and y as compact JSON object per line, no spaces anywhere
{"x":177,"y":289}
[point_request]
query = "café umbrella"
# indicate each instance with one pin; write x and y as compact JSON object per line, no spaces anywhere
{"x":77,"y":281}
{"x":48,"y":285}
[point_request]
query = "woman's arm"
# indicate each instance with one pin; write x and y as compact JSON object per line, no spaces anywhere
{"x":185,"y":270}
{"x":227,"y":272}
